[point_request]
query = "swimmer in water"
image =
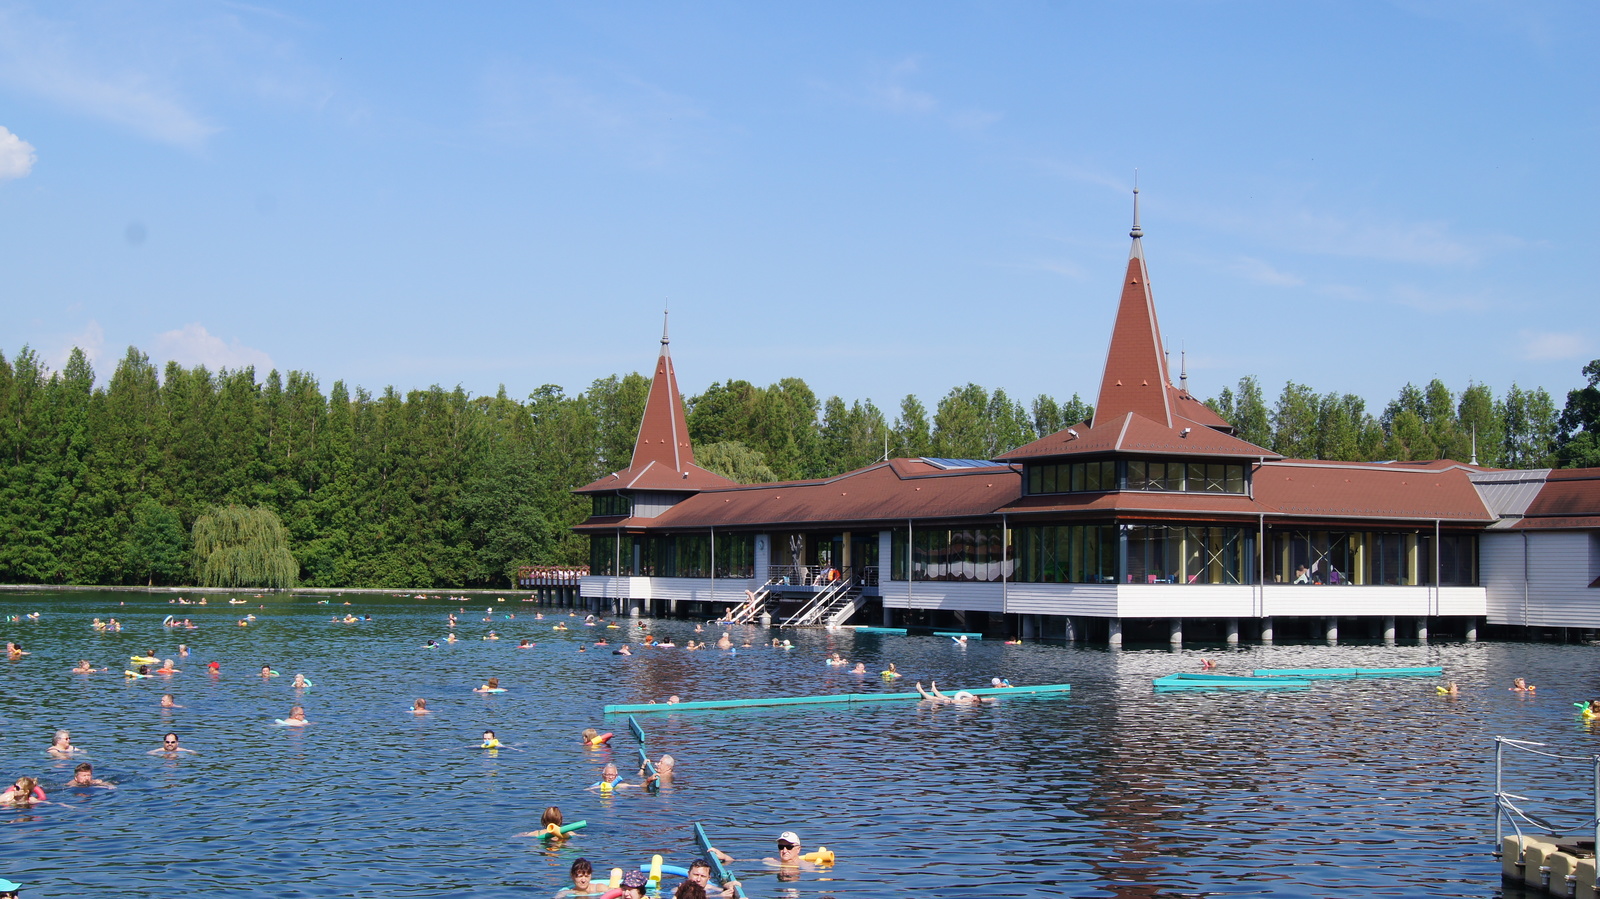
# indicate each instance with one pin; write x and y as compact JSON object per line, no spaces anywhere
{"x":170,"y":747}
{"x":664,"y":769}
{"x":861,"y":668}
{"x":622,"y":650}
{"x":61,"y":747}
{"x":489,"y":741}
{"x":524,"y":645}
{"x":725,"y":641}
{"x":1521,"y":686}
{"x":266,"y":671}
{"x":552,"y":815}
{"x":493,"y":686}
{"x":24,"y":793}
{"x":582,"y":874}
{"x":610,"y":780}
{"x":1452,"y":689}
{"x":962,"y":697}
{"x":167,"y":702}
{"x":166,"y":668}
{"x":491,"y":636}
{"x":999,"y":682}
{"x":297,"y":717}
{"x":300,"y":682}
{"x":451,"y":638}
{"x":1207,"y":665}
{"x":84,"y":667}
{"x":83,"y":776}
{"x":891,"y":673}
{"x":431,"y":644}
{"x":419,"y":706}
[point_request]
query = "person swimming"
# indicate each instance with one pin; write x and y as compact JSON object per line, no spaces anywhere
{"x":1521,"y":686}
{"x":167,"y":702}
{"x":419,"y":706}
{"x":489,"y":740}
{"x":61,"y":747}
{"x":961,"y":697}
{"x":493,"y":686}
{"x":297,"y":717}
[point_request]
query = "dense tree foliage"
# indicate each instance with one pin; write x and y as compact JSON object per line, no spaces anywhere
{"x":1519,"y":430}
{"x":437,"y":488}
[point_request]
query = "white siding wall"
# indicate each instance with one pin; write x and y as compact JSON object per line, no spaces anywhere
{"x":683,"y":589}
{"x":952,"y":595}
{"x":1186,"y":601}
{"x":1095,"y":600}
{"x":1559,"y":567}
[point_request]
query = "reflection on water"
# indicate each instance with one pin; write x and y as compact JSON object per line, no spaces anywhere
{"x":1374,"y":787}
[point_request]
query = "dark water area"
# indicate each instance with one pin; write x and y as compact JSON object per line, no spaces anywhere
{"x":1366,"y":787}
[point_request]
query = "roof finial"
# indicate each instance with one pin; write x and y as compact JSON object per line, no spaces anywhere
{"x":1183,"y":368}
{"x":1137,"y":232}
{"x":664,"y":340}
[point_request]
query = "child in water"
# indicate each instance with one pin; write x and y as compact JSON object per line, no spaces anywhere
{"x":1521,"y":686}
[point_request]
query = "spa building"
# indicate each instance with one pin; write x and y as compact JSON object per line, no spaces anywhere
{"x":1150,"y":521}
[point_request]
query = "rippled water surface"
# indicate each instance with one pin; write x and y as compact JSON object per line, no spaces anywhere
{"x":1375,"y":787}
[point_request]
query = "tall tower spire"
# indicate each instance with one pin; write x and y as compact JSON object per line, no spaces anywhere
{"x":1136,"y":375}
{"x":663,"y":433}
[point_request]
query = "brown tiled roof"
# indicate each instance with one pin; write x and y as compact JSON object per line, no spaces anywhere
{"x":1569,"y":500}
{"x":658,"y":477}
{"x":1135,"y":377}
{"x":663,"y":458}
{"x":1318,"y":489}
{"x":1134,"y":434}
{"x":893,"y":490}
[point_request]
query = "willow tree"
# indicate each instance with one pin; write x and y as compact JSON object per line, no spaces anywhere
{"x":235,"y":546}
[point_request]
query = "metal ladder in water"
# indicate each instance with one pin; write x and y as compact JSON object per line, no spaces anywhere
{"x":822,"y":610}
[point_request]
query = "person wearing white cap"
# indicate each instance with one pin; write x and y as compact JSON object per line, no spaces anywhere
{"x":789,"y":863}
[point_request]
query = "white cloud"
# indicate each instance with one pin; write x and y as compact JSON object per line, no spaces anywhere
{"x":48,"y":60}
{"x":618,"y":114}
{"x":193,"y":345}
{"x":16,"y":156}
{"x":92,"y":340}
{"x":1263,"y":272}
{"x":1545,"y":346}
{"x":889,"y":89}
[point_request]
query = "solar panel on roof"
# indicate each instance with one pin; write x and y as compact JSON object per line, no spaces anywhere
{"x":947,"y":464}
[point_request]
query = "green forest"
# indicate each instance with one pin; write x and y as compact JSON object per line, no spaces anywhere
{"x":139,"y":478}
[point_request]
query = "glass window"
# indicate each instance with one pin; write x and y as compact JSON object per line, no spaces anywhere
{"x":1050,"y":479}
{"x":1035,"y":479}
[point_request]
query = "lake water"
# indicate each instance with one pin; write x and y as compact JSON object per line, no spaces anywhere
{"x":1372,"y":787}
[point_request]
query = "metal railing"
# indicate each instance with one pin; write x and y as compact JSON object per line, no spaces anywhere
{"x":1506,"y":809}
{"x":817,"y":607}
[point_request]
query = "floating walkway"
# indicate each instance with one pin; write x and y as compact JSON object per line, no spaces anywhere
{"x":834,"y":699}
{"x":1334,"y":673}
{"x":1228,"y":682}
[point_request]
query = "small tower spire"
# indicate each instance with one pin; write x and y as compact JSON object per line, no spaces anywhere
{"x":664,"y":340}
{"x":1137,"y":232}
{"x":1183,"y":369}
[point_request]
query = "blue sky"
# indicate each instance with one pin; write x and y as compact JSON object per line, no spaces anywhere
{"x":881,"y":198}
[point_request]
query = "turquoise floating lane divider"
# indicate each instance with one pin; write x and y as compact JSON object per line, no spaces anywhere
{"x":718,"y":869}
{"x":1326,"y":673}
{"x":1225,"y":682}
{"x":861,"y":629}
{"x":969,"y":636}
{"x":644,"y":757}
{"x":835,"y":699}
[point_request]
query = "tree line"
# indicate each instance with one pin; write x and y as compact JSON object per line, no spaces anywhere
{"x":127,"y":482}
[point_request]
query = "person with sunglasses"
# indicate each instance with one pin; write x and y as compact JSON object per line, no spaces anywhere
{"x":170,"y":747}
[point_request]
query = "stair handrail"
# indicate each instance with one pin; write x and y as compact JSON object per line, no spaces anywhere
{"x":816,"y":605}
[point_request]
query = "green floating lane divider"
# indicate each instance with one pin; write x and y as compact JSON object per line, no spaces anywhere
{"x":1228,"y":682}
{"x":645,"y":764}
{"x":718,"y":869}
{"x":834,"y":699}
{"x":969,"y":636}
{"x":1327,"y":673}
{"x":638,"y":732}
{"x":880,"y":630}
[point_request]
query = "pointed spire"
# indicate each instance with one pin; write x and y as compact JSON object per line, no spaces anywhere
{"x":663,"y":432}
{"x":1137,"y":232}
{"x":1136,"y":377}
{"x":1183,"y":368}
